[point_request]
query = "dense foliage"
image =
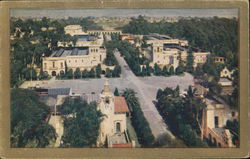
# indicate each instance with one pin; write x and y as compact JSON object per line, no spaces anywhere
{"x":233,"y":127}
{"x":29,"y":127}
{"x":182,"y":114}
{"x":139,"y":122}
{"x":81,"y":123}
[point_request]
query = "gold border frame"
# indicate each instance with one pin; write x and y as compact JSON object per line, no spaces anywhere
{"x":7,"y":152}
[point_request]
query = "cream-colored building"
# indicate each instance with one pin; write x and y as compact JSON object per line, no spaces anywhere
{"x":200,"y":57}
{"x":166,"y":56}
{"x":154,"y":38}
{"x":114,"y":125}
{"x":74,"y":30}
{"x":82,"y":41}
{"x":83,"y":58}
{"x":166,"y":51}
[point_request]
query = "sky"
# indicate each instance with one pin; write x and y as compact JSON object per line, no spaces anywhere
{"x":64,"y":13}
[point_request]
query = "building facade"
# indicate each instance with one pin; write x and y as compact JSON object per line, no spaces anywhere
{"x":104,"y":32}
{"x":74,"y":30}
{"x":83,"y":58}
{"x":113,"y":128}
{"x":214,"y":120}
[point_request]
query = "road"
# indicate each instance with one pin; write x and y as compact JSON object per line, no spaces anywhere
{"x":150,"y":112}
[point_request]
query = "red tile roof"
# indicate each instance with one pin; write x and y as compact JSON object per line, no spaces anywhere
{"x":121,"y":105}
{"x":123,"y":145}
{"x":104,"y":31}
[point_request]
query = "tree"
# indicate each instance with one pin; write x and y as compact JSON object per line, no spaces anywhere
{"x":85,"y":126}
{"x":92,"y":73}
{"x":85,"y":74}
{"x":29,"y":127}
{"x":148,"y":69}
{"x":108,"y":73}
{"x":137,"y":69}
{"x":116,"y":92}
{"x":69,"y":74}
{"x":165,"y":71}
{"x":190,"y":62}
{"x":233,"y":127}
{"x":77,"y":73}
{"x":180,"y":69}
{"x":144,"y":71}
{"x":157,"y":70}
{"x":117,"y":71}
{"x":139,"y":122}
{"x":98,"y":71}
{"x":171,"y":70}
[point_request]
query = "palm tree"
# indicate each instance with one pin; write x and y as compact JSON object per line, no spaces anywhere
{"x":131,"y":99}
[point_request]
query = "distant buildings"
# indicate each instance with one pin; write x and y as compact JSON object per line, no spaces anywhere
{"x":168,"y":51}
{"x":218,"y":59}
{"x":227,"y":73}
{"x":113,"y":128}
{"x":104,"y":32}
{"x":74,"y":30}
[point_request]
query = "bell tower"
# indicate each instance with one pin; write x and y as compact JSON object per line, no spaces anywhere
{"x":106,"y":106}
{"x":107,"y":100}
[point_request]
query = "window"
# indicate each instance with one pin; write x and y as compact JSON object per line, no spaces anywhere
{"x":107,"y":100}
{"x":216,"y":121}
{"x":45,"y":65}
{"x":53,"y":64}
{"x":171,"y":60}
{"x":233,"y":114}
{"x":118,"y":127}
{"x":61,"y":65}
{"x":100,"y":57}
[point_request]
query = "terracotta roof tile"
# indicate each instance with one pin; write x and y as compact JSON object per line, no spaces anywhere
{"x":121,"y":105}
{"x":123,"y":145}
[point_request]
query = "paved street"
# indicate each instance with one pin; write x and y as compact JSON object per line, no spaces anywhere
{"x":146,"y":88}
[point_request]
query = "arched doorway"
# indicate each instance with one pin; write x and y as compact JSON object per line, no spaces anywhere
{"x":53,"y":73}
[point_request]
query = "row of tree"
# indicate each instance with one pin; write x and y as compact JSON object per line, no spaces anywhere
{"x":139,"y":122}
{"x":93,"y":73}
{"x":183,"y":115}
{"x":81,"y":123}
{"x":29,"y":126}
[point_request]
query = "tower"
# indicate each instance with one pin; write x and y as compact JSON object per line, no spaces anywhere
{"x":106,"y":106}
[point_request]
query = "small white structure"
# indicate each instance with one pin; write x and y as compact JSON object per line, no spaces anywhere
{"x":227,"y":73}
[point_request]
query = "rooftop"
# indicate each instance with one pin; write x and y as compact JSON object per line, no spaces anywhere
{"x":70,"y":52}
{"x":85,"y":38}
{"x":224,"y":80}
{"x":121,"y":105}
